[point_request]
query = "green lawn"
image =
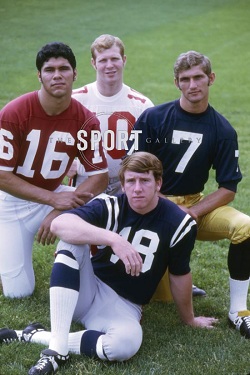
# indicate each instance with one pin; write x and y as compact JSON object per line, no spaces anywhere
{"x":154,"y":33}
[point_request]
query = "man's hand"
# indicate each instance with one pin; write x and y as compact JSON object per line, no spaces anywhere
{"x":44,"y":235}
{"x":128,"y":255}
{"x":181,"y":288}
{"x":66,"y":200}
{"x":204,"y":322}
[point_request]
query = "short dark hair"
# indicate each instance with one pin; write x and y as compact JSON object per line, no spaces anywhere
{"x":55,"y":49}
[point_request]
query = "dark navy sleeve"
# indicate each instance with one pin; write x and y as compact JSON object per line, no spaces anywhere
{"x":180,"y":252}
{"x":228,"y":173}
{"x":94,"y":212}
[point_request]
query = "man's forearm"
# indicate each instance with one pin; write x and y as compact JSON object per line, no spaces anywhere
{"x":181,"y":288}
{"x":220,"y":197}
{"x":22,"y":189}
{"x":72,"y":229}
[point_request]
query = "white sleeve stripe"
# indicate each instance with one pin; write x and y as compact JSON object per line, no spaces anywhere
{"x":184,"y":227}
{"x":97,"y":171}
{"x":113,"y":212}
{"x":109,"y":207}
{"x":2,"y":168}
{"x":116,"y":214}
{"x":179,"y":229}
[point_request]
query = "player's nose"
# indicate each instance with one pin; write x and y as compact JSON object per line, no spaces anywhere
{"x":137,"y":186}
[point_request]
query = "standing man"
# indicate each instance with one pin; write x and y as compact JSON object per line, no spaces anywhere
{"x":38,"y":143}
{"x":139,"y":235}
{"x":190,"y":138}
{"x":116,"y":105}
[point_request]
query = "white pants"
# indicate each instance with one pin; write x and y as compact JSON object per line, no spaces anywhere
{"x":100,"y":308}
{"x":19,"y":223}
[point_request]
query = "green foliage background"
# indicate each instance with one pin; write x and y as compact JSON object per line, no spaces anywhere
{"x":154,"y":33}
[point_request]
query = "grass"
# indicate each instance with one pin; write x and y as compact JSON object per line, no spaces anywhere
{"x":154,"y":34}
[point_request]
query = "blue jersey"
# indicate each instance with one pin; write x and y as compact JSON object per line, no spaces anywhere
{"x":164,"y":238}
{"x":189,"y":145}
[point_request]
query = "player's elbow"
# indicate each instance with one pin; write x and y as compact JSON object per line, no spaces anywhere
{"x":232,"y":196}
{"x":229,"y":196}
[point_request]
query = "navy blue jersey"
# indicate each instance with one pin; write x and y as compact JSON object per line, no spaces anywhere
{"x":164,"y":238}
{"x":189,"y":145}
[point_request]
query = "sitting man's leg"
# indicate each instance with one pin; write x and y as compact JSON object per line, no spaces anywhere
{"x":64,"y":294}
{"x":113,"y":330}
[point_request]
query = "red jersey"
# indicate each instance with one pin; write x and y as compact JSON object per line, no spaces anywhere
{"x":40,"y":148}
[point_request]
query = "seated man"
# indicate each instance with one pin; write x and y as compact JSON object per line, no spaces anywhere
{"x":138,"y":235}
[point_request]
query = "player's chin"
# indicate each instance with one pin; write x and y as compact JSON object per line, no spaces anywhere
{"x":139,"y":205}
{"x":139,"y":201}
{"x":195,"y":98}
{"x":59,"y":91}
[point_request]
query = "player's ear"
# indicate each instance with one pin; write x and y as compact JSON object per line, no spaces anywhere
{"x":93,"y":63}
{"x":211,"y":78}
{"x":176,"y":82}
{"x":158,"y":186}
{"x":75,"y":75}
{"x":39,"y":76}
{"x":124,"y":60}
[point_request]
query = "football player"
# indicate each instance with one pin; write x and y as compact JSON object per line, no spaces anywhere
{"x":38,"y":143}
{"x":190,"y":137}
{"x":139,"y":235}
{"x":115,"y":104}
{"x":117,"y":107}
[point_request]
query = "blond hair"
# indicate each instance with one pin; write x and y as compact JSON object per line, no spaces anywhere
{"x":106,"y":41}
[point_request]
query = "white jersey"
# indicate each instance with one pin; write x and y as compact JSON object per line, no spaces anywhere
{"x":117,"y":115}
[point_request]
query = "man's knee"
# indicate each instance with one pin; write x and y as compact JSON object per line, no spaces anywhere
{"x":124,"y":344}
{"x":240,"y":228}
{"x":17,"y":284}
{"x":78,"y":251}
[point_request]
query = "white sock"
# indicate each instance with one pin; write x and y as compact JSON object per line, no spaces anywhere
{"x":74,"y":342}
{"x":62,"y":307}
{"x":99,"y":348}
{"x":41,"y":337}
{"x":238,"y":296}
